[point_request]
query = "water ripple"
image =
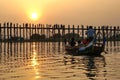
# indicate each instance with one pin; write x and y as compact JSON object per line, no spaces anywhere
{"x":47,"y":61}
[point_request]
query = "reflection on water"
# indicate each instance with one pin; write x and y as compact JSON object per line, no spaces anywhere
{"x":92,"y":68}
{"x":47,"y":61}
{"x":113,"y":46}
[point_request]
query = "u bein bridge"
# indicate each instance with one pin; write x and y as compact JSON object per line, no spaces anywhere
{"x":10,"y":32}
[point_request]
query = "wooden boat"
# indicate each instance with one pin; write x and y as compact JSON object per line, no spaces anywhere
{"x":92,"y":49}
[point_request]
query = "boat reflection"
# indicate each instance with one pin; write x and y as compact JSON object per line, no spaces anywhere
{"x":92,"y":67}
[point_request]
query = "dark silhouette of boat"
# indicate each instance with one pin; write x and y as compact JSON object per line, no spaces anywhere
{"x":92,"y":49}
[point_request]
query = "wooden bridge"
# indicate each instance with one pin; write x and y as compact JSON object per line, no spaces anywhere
{"x":10,"y":32}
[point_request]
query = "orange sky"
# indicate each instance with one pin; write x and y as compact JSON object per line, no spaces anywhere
{"x":86,"y":12}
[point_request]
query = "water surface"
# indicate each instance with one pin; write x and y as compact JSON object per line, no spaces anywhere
{"x":48,"y":61}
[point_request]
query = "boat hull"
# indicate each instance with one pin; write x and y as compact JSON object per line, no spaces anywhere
{"x":91,"y":51}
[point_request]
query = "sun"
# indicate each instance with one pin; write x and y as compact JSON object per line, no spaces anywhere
{"x":34,"y":16}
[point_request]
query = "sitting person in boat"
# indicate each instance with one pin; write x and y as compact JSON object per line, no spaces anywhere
{"x":72,"y":42}
{"x":79,"y":43}
{"x":85,"y":42}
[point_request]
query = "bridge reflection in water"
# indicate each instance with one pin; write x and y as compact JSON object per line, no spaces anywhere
{"x":47,"y":61}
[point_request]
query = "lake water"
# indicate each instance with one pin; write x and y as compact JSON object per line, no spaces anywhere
{"x":48,"y":61}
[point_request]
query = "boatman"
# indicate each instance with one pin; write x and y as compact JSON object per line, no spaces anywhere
{"x":90,"y":33}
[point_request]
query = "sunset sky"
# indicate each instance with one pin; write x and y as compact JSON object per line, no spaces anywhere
{"x":86,"y":12}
